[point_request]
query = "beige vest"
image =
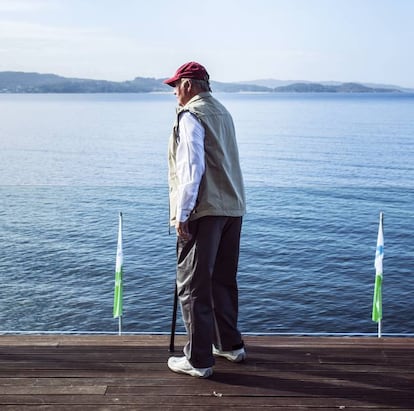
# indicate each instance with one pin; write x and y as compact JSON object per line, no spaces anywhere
{"x":221,"y":191}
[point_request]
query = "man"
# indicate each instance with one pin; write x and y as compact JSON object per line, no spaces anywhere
{"x":207,"y":202}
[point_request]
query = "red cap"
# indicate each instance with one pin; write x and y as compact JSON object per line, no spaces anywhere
{"x":188,"y":70}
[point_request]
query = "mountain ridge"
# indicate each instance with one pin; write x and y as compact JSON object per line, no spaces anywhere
{"x":33,"y":82}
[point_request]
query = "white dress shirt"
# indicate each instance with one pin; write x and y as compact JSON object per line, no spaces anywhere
{"x":190,"y":163}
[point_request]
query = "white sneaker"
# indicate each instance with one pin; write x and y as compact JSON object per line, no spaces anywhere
{"x":183,"y":366}
{"x":233,"y":356}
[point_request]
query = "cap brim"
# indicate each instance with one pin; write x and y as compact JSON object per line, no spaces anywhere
{"x":171,"y":81}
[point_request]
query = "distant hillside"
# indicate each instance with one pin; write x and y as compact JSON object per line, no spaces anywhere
{"x":340,"y":88}
{"x":22,"y":82}
{"x":239,"y":88}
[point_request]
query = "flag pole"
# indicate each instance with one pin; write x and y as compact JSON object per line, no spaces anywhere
{"x":118,"y":290}
{"x":381,"y":228}
{"x":379,"y":328}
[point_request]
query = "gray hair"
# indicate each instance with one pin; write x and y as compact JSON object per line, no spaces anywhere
{"x":204,"y":85}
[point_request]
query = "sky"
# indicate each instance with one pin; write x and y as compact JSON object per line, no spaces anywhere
{"x":368,"y":41}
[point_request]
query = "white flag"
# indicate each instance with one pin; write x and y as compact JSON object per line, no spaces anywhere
{"x":379,"y":256}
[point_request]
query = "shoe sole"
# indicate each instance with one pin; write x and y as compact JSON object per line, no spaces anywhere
{"x":241,"y":357}
{"x":193,"y":373}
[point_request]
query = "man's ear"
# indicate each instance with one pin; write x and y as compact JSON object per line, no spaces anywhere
{"x":187,"y":85}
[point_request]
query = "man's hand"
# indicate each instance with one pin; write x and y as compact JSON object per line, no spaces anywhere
{"x":183,"y":231}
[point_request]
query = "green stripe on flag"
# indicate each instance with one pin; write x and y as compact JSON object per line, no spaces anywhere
{"x":118,"y":294}
{"x":377,"y":301}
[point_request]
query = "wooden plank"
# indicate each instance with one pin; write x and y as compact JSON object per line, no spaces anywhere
{"x":161,"y":378}
{"x":54,"y":390}
{"x":207,"y":401}
{"x":163,"y":341}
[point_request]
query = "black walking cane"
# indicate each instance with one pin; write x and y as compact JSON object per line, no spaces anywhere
{"x":174,"y":319}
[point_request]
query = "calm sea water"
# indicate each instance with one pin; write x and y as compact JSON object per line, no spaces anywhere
{"x":318,"y":170}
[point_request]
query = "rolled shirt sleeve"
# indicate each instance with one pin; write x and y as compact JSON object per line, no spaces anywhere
{"x":190,"y":163}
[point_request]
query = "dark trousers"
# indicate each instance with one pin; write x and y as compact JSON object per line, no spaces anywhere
{"x":207,"y":287}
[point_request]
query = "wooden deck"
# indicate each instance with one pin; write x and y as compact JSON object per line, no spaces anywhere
{"x":129,"y":373}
